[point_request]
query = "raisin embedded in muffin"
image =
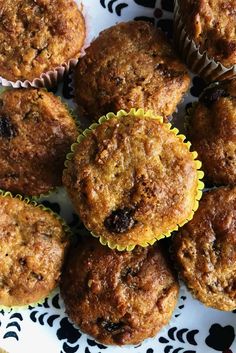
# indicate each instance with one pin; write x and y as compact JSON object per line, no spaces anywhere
{"x":118,"y":297}
{"x":32,"y":248}
{"x":36,"y":132}
{"x":211,"y":24}
{"x":205,"y":250}
{"x":36,"y":36}
{"x":132,"y":180}
{"x":212,"y":132}
{"x":130,"y":65}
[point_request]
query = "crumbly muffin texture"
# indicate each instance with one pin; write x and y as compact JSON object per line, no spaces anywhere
{"x":36,"y":132}
{"x":212,"y":132}
{"x":36,"y":36}
{"x":130,"y":65}
{"x":132,"y":180}
{"x":205,"y":250}
{"x":211,"y":24}
{"x":118,"y":297}
{"x":32,"y":248}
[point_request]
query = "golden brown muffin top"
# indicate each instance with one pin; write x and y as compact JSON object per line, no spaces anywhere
{"x":37,"y":36}
{"x":131,"y":180}
{"x":32,"y":246}
{"x":212,"y":132}
{"x":205,"y":250}
{"x":211,"y":24}
{"x":118,"y":297}
{"x":130,"y":65}
{"x":36,"y":132}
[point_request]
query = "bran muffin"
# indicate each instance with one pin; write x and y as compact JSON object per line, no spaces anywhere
{"x":118,"y":297}
{"x":33,"y":242}
{"x":130,"y":65}
{"x":132,"y":180}
{"x":36,"y":36}
{"x":205,"y":250}
{"x":212,"y":132}
{"x":211,"y":24}
{"x":36,"y":132}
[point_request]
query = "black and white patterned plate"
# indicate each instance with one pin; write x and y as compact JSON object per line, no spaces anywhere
{"x":46,"y":328}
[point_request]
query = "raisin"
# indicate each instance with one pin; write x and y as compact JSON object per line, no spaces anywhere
{"x":120,"y":220}
{"x":7,"y":130}
{"x":110,"y":326}
{"x":211,"y":95}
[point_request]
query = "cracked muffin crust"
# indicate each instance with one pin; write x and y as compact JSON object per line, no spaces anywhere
{"x":205,"y":250}
{"x":211,"y":24}
{"x":36,"y":132}
{"x":132,"y":180}
{"x":212,"y":132}
{"x":118,"y":297}
{"x":36,"y":36}
{"x":130,"y":65}
{"x":32,"y":248}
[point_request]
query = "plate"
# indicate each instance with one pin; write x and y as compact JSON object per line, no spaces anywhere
{"x":194,"y":328}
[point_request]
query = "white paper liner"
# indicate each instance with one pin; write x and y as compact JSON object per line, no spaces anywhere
{"x":52,"y":77}
{"x":198,"y":62}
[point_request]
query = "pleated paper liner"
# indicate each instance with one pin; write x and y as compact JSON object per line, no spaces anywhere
{"x":199,"y":62}
{"x":200,"y":174}
{"x":66,"y":230}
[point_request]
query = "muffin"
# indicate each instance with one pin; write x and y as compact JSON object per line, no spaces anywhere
{"x":130,"y":65}
{"x":36,"y":36}
{"x":132,"y":180}
{"x":205,"y":250}
{"x":33,"y":242}
{"x":36,"y":132}
{"x":212,"y":132}
{"x":118,"y":297}
{"x":205,"y":34}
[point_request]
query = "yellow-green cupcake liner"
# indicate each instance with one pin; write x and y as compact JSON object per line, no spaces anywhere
{"x":148,"y":114}
{"x":65,"y":228}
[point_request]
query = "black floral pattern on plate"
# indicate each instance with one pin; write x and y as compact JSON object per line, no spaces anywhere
{"x":114,"y":6}
{"x":221,"y":338}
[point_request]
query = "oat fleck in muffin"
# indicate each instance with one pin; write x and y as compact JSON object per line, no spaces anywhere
{"x":36,"y":132}
{"x":118,"y":297}
{"x":130,"y":65}
{"x":205,"y":250}
{"x":36,"y":36}
{"x":212,"y":131}
{"x":132,"y":180}
{"x":32,"y":248}
{"x":211,"y":24}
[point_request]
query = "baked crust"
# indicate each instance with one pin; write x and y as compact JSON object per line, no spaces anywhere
{"x":212,"y":132}
{"x":36,"y":132}
{"x":32,"y":248}
{"x":132,"y":180}
{"x":130,"y":65}
{"x":205,"y":250}
{"x":118,"y":297}
{"x":211,"y":24}
{"x":36,"y":36}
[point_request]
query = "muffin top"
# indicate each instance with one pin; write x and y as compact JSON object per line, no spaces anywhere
{"x":118,"y":297}
{"x":130,"y":65}
{"x":36,"y":36}
{"x":32,"y":247}
{"x":212,"y":131}
{"x":36,"y":132}
{"x":132,"y":180}
{"x":205,"y":250}
{"x":211,"y":24}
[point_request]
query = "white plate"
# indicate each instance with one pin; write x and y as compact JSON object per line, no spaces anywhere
{"x":45,"y":328}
